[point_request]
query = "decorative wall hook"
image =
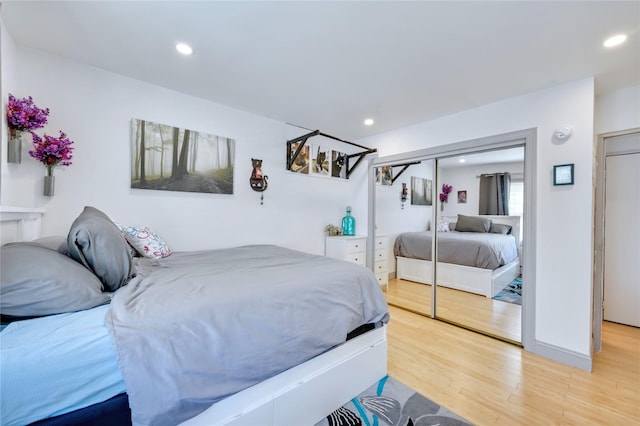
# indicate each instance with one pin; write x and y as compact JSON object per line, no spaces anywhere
{"x":404,"y":194}
{"x":258,"y":181}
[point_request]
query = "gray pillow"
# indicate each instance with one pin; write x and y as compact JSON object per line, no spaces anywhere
{"x":472,"y":224}
{"x":500,"y":228}
{"x":97,"y":243}
{"x":37,"y":281}
{"x":56,"y":242}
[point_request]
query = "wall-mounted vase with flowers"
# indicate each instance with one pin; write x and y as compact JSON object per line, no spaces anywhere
{"x":22,"y":116}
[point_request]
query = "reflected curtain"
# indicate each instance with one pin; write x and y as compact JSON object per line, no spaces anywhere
{"x":494,"y":193}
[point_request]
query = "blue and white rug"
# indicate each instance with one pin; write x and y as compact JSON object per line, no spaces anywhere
{"x":511,"y":293}
{"x":390,"y":402}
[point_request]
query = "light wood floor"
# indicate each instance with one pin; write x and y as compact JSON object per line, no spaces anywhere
{"x":489,"y":382}
{"x":494,"y":317}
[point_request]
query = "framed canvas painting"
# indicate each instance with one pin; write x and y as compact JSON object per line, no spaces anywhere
{"x":168,"y":158}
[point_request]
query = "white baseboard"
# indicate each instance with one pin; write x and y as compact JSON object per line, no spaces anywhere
{"x":563,"y":355}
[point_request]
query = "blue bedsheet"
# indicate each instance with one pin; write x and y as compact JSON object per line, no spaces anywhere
{"x":71,"y":365}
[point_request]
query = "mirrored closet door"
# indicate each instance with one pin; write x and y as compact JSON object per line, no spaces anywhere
{"x":405,"y":207}
{"x":489,"y":296}
{"x":479,"y":222}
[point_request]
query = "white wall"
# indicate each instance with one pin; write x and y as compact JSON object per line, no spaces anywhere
{"x":619,"y":110}
{"x":564,"y":214}
{"x":7,"y":53}
{"x":95,"y":107}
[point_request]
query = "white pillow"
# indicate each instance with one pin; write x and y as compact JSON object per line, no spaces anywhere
{"x":146,"y":242}
{"x":443,"y":226}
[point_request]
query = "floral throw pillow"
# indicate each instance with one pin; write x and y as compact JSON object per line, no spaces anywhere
{"x":443,"y":226}
{"x":146,"y":242}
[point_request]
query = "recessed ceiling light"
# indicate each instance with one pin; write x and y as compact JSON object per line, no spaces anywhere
{"x":368,"y":121}
{"x":462,"y":160}
{"x":183,"y":48}
{"x":615,"y":40}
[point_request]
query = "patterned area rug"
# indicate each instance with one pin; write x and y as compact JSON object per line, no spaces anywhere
{"x":390,"y":402}
{"x":511,"y":293}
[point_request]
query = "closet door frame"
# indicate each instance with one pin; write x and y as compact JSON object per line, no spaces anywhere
{"x":598,"y":241}
{"x":526,"y":138}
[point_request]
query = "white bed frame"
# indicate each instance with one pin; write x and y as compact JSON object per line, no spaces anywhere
{"x":485,"y":282}
{"x":304,"y":394}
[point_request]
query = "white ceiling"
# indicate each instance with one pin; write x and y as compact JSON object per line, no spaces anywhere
{"x":328,"y":65}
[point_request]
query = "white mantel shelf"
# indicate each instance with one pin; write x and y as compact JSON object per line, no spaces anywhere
{"x":21,"y":210}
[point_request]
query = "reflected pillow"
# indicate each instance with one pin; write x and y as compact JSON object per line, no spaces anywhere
{"x":500,"y":228}
{"x":96,"y":242}
{"x":443,"y":226}
{"x":38,"y":281}
{"x":472,"y":224}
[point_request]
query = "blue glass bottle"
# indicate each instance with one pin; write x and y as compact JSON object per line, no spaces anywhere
{"x":348,"y":223}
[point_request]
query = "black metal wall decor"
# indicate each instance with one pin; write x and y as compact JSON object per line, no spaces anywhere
{"x":258,"y":181}
{"x":404,"y":166}
{"x":297,"y":145}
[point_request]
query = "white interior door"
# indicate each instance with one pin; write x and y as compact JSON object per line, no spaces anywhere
{"x":622,"y":239}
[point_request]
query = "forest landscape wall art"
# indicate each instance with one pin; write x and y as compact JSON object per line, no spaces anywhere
{"x":169,"y":158}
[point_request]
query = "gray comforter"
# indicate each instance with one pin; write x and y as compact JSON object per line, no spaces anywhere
{"x":196,"y":327}
{"x":477,"y":249}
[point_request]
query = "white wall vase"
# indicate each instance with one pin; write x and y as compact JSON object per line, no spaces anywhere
{"x":14,"y":146}
{"x":49,"y":182}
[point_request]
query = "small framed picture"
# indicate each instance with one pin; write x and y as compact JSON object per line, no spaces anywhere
{"x":384,"y":175}
{"x":462,"y":197}
{"x":563,"y":174}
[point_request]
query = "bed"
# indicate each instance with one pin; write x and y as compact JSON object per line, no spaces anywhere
{"x":247,"y":335}
{"x":477,"y":254}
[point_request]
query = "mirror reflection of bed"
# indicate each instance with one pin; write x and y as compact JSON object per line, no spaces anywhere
{"x":469,"y":295}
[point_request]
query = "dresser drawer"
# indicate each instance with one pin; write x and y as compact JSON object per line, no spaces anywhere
{"x":381,"y":255}
{"x":356,"y":246}
{"x":383,"y":278}
{"x":380,"y":267}
{"x":359,"y":258}
{"x":381,"y":242}
{"x":351,"y":249}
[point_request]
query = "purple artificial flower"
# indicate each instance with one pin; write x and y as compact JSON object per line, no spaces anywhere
{"x":444,"y":195}
{"x":22,"y":114}
{"x":52,"y":151}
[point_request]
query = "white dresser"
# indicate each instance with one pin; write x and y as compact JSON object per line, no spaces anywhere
{"x":381,"y":259}
{"x":354,"y":249}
